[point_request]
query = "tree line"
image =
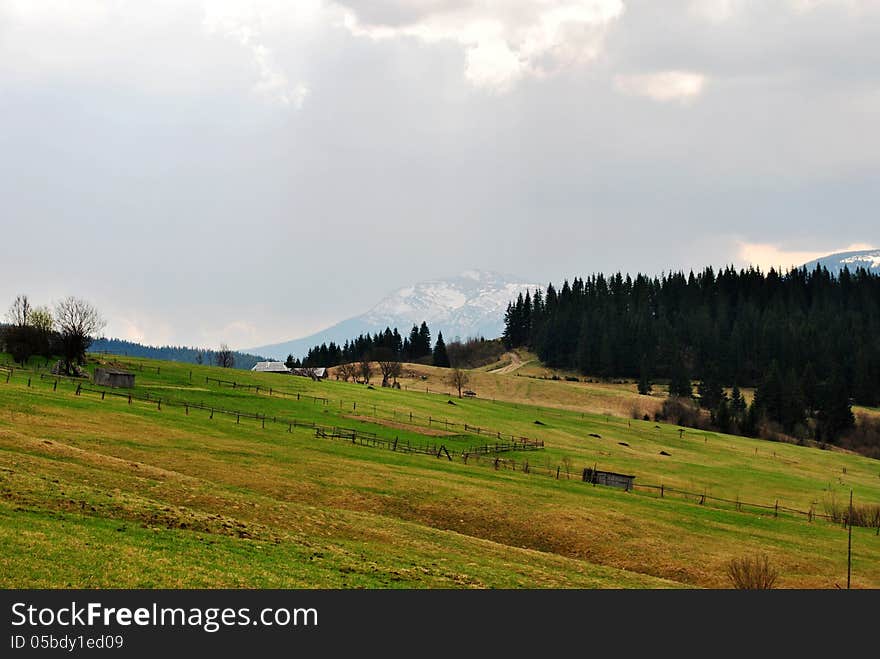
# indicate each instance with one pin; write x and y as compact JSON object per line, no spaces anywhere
{"x":65,"y":330}
{"x":388,"y":345}
{"x":809,"y":341}
{"x":184,"y":354}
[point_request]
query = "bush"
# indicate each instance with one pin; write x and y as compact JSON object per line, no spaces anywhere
{"x":682,"y":412}
{"x":867,"y":516}
{"x":865,"y":437}
{"x":752,"y":573}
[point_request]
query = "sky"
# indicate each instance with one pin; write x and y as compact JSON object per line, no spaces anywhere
{"x":253,"y":171}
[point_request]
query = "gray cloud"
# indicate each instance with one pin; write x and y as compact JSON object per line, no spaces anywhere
{"x":195,"y":207}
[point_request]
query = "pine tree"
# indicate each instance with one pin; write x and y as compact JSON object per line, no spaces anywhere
{"x":441,"y":358}
{"x":722,"y":417}
{"x":645,"y":387}
{"x":710,"y":390}
{"x":810,"y":387}
{"x":424,"y":340}
{"x":737,"y":403}
{"x":680,"y":384}
{"x":834,"y":414}
{"x":769,"y":394}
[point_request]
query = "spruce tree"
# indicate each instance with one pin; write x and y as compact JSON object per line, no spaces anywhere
{"x":441,"y":358}
{"x":680,"y":384}
{"x":424,"y":340}
{"x":645,"y":387}
{"x":710,"y":390}
{"x":834,"y":414}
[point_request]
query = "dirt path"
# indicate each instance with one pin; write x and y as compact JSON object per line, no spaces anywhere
{"x":515,"y":363}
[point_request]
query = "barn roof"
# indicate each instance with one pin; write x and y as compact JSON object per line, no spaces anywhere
{"x":270,"y":367}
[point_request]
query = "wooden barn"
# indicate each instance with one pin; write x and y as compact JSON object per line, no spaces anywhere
{"x":609,"y":478}
{"x":111,"y":377}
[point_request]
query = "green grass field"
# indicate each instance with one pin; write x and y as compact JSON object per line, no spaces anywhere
{"x":103,"y":493}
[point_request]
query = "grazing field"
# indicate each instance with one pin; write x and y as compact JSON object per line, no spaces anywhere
{"x":201,"y":483}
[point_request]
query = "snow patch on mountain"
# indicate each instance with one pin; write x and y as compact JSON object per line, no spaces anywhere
{"x":868,"y":259}
{"x":470,"y":304}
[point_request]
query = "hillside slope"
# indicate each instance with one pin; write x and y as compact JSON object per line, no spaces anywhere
{"x":226,"y":491}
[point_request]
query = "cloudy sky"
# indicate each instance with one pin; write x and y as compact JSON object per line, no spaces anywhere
{"x":252,"y":171}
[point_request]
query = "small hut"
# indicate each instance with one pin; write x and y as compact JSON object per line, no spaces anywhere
{"x":111,"y":377}
{"x":609,"y":478}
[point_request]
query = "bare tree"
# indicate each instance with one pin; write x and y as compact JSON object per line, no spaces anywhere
{"x":20,"y":311}
{"x":346,"y":371}
{"x":77,"y":322}
{"x":224,"y":358}
{"x":458,"y":379}
{"x":389,"y":365}
{"x":309,"y":372}
{"x":365,"y":369}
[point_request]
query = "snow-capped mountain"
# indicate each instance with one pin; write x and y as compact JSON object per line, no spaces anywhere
{"x":868,"y":259}
{"x":470,"y":304}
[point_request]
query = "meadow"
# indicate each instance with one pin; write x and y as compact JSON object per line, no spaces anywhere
{"x":97,"y":491}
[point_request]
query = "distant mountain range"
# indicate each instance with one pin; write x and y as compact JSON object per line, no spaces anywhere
{"x":869,"y":259}
{"x":470,"y":304}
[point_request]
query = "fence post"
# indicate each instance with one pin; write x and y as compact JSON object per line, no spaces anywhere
{"x":55,"y":386}
{"x":662,"y":490}
{"x":776,"y":509}
{"x":557,"y":472}
{"x":129,"y":399}
{"x":102,"y":394}
{"x":186,"y":405}
{"x":78,"y":388}
{"x":29,"y":382}
{"x":238,"y":418}
{"x":159,"y":405}
{"x":212,"y":413}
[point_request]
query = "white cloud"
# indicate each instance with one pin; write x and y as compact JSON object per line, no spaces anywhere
{"x":766,"y":255}
{"x":244,"y":23}
{"x":503,"y":42}
{"x":663,"y":86}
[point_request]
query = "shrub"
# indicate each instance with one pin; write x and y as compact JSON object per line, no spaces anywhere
{"x":682,"y":412}
{"x":752,"y":573}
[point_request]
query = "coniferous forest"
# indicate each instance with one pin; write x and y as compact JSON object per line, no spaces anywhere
{"x":809,"y":341}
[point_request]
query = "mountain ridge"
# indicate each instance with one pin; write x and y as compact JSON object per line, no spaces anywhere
{"x":471,"y":303}
{"x":835,"y":263}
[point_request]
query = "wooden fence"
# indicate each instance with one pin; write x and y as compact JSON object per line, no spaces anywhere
{"x":405,"y":416}
{"x":485,"y":455}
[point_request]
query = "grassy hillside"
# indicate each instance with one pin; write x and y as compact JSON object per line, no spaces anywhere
{"x":105,"y":493}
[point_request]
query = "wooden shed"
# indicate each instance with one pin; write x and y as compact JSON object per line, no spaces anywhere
{"x":111,"y":377}
{"x":609,"y":478}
